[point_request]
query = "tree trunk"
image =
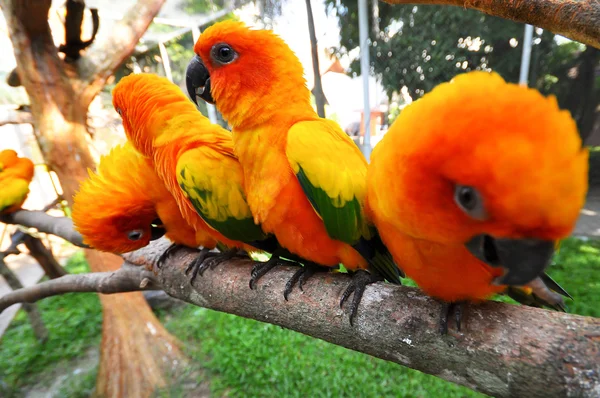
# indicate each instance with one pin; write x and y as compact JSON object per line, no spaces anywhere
{"x":582,"y":101}
{"x":44,"y":257}
{"x":137,"y":352}
{"x":318,"y":89}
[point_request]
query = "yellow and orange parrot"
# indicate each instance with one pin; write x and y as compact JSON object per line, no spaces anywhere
{"x":472,"y":187}
{"x":195,"y":160}
{"x":124,"y":205}
{"x":305,"y":179}
{"x":15,"y":175}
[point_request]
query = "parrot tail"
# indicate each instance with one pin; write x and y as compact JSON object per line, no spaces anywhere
{"x":541,"y":292}
{"x":379,"y":258}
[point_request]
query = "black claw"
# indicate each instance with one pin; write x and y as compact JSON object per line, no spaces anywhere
{"x":260,"y":269}
{"x":359,"y":282}
{"x":289,"y":286}
{"x":166,"y":254}
{"x":199,"y":265}
{"x":445,"y":313}
{"x":301,"y":276}
{"x":227,"y":255}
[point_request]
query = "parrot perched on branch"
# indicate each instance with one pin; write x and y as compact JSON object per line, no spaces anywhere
{"x":15,"y":175}
{"x":304,"y":177}
{"x":195,"y":160}
{"x":472,"y":187}
{"x":124,"y":205}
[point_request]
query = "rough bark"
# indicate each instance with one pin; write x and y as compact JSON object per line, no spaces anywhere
{"x":59,"y":226}
{"x":35,"y":318}
{"x":503,"y":350}
{"x":576,"y":19}
{"x":132,"y":364}
{"x":318,"y":88}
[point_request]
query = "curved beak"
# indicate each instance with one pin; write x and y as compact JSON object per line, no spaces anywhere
{"x":197,"y":81}
{"x":523,"y":260}
{"x":157,"y":229}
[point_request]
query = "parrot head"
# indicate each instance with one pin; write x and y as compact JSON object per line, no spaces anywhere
{"x":112,"y":209}
{"x":493,"y":166}
{"x":146,"y":103}
{"x":8,"y":158}
{"x":248,"y":74}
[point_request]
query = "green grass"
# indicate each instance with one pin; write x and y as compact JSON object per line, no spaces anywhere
{"x":73,"y":322}
{"x":249,"y":358}
{"x":241,"y":357}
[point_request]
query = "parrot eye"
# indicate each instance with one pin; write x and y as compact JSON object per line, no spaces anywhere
{"x":136,"y":234}
{"x":223,"y":53}
{"x":119,"y":111}
{"x":470,"y":201}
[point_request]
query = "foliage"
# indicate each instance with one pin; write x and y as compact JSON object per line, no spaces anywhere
{"x":422,"y":46}
{"x":73,"y":322}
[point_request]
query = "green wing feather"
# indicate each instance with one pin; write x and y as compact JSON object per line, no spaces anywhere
{"x":213,"y":184}
{"x":332,"y":173}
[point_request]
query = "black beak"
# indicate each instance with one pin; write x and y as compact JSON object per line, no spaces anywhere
{"x":157,"y":229}
{"x":197,"y":81}
{"x":522,"y":259}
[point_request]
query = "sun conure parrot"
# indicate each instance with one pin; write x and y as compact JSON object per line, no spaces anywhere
{"x":195,"y":160}
{"x":472,"y":187}
{"x":304,"y":177}
{"x":124,"y":205}
{"x":15,"y":175}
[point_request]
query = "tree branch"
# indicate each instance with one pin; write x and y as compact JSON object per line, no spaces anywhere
{"x":129,"y":278}
{"x":576,"y":19}
{"x":13,"y":116}
{"x":110,"y":51}
{"x":503,"y":350}
{"x":59,"y":226}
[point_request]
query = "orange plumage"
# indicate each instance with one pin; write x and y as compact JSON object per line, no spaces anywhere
{"x":165,"y":126}
{"x":116,"y":207}
{"x":518,"y":152}
{"x":262,"y":93}
{"x":15,"y":175}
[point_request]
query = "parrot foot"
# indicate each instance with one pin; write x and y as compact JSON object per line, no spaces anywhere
{"x":260,"y":269}
{"x":301,"y":276}
{"x":199,"y":265}
{"x":445,"y":313}
{"x":360,"y":280}
{"x":166,"y":254}
{"x":226,"y":255}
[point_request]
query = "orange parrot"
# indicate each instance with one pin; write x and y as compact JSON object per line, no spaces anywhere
{"x":124,"y":205}
{"x":472,"y":187}
{"x":304,"y":177}
{"x":15,"y":175}
{"x":195,"y":160}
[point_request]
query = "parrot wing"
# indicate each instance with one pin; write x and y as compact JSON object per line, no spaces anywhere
{"x":14,"y":192}
{"x":332,"y":172}
{"x":213,"y":182}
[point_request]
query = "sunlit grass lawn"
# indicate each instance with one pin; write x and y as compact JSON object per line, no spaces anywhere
{"x":247,"y":358}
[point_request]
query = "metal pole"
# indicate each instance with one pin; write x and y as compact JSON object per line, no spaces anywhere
{"x":363,"y":30}
{"x":212,"y":111}
{"x":526,"y":56}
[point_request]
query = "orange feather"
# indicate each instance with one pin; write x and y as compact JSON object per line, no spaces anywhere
{"x":15,"y":175}
{"x":163,"y":124}
{"x":517,"y":148}
{"x":126,"y":195}
{"x":262,"y":94}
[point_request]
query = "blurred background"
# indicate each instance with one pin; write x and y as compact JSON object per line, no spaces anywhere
{"x":411,"y":49}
